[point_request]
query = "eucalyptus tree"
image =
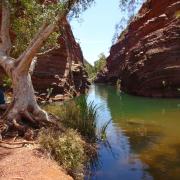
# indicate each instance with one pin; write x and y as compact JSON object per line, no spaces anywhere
{"x":29,"y":27}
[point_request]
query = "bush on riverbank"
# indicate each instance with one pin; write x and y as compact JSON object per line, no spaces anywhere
{"x":66,"y":148}
{"x":76,"y":147}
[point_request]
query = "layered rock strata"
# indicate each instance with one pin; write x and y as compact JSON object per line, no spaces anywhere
{"x":146,"y":57}
{"x":51,"y":67}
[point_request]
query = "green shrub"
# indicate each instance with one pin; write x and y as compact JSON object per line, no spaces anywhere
{"x":66,"y":148}
{"x":78,"y":115}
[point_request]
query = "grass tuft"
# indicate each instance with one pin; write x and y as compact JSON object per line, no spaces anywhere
{"x":103,"y":134}
{"x":78,"y":115}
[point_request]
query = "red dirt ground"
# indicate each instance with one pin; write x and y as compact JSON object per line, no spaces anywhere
{"x":27,"y":163}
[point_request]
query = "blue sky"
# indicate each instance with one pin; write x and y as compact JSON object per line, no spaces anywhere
{"x":95,"y":28}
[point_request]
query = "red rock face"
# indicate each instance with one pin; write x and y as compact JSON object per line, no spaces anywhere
{"x":146,"y":57}
{"x":54,"y":62}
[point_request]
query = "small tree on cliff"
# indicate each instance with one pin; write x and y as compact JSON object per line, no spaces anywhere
{"x":129,"y":9}
{"x":35,"y":20}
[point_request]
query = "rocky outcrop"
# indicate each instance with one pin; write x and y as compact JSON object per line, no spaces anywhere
{"x":50,"y":67}
{"x":146,"y":57}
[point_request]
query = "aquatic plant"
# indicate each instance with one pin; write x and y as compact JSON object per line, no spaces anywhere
{"x":103,"y":133}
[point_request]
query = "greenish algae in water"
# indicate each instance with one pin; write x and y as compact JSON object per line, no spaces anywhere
{"x":144,"y":136}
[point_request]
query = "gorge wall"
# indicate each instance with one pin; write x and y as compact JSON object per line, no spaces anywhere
{"x":51,"y":67}
{"x":146,"y":57}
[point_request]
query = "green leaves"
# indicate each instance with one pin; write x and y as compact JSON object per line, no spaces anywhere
{"x":100,"y":63}
{"x":27,"y":16}
{"x":79,"y":7}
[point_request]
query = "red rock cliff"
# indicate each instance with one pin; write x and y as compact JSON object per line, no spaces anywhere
{"x":146,"y":58}
{"x":54,"y":63}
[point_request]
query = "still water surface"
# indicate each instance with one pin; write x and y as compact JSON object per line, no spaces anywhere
{"x":144,"y":136}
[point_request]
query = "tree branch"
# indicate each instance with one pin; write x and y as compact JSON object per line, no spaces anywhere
{"x":5,"y":24}
{"x":69,"y":51}
{"x":24,"y":61}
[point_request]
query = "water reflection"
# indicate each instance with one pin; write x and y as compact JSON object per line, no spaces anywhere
{"x":144,"y":136}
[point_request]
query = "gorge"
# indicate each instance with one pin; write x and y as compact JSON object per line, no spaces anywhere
{"x":122,"y":126}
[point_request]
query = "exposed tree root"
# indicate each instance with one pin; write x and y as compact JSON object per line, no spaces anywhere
{"x":13,"y":145}
{"x":17,"y":143}
{"x":28,"y":116}
{"x":25,"y":123}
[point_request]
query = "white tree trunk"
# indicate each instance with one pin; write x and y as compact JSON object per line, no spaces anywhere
{"x":24,"y":100}
{"x":24,"y":105}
